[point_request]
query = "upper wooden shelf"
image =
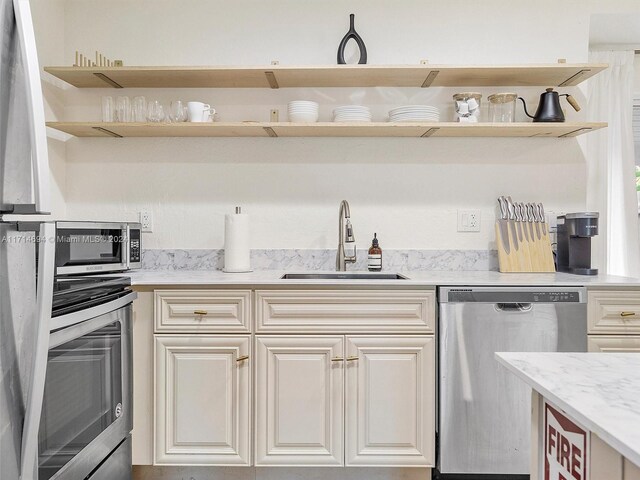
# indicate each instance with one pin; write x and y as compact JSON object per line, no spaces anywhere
{"x":324,"y":129}
{"x":279,"y":76}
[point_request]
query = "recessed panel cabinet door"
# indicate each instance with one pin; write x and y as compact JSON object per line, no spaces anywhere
{"x":299,"y":401}
{"x":202,"y":412}
{"x":390,"y":401}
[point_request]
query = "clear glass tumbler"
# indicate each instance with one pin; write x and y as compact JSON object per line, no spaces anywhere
{"x":123,"y":109}
{"x":502,"y":107}
{"x":178,"y":111}
{"x":139,"y":108}
{"x":108,"y":109}
{"x":155,"y":112}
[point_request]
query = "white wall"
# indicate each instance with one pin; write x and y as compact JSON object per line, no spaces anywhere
{"x":408,"y":190}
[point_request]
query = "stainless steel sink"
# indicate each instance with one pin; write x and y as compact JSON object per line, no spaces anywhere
{"x":343,"y":276}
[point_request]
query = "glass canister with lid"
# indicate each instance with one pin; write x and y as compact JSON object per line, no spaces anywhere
{"x":467,"y":106}
{"x":502,"y":107}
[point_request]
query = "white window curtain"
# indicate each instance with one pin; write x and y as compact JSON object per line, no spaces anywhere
{"x":611,"y":165}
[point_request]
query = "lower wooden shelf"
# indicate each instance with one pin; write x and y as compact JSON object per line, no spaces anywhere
{"x":324,"y":129}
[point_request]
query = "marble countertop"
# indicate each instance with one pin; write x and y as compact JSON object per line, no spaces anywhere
{"x":599,"y":390}
{"x":415,"y":279}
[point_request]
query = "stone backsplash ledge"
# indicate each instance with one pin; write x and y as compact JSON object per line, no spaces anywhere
{"x":299,"y":259}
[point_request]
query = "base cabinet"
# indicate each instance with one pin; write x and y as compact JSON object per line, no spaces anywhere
{"x":387,"y":385}
{"x":390,"y":399}
{"x":202,"y":400}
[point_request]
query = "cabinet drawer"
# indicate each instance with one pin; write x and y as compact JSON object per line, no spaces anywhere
{"x":614,"y":312}
{"x":614,"y":343}
{"x":203,"y":311}
{"x":337,"y":311}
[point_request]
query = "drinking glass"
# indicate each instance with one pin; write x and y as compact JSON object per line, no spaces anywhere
{"x":108,"y":110}
{"x":139,"y":109}
{"x":123,"y":109}
{"x":155,"y":111}
{"x":178,"y":111}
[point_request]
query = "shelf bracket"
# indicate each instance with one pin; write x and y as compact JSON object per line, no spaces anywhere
{"x":574,"y":79}
{"x":430,"y":78}
{"x":270,"y":131}
{"x":574,"y":133}
{"x":106,"y":79}
{"x":107,"y":132}
{"x":429,"y":132}
{"x":271,"y":78}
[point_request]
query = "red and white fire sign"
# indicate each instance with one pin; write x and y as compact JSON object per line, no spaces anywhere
{"x":566,"y":447}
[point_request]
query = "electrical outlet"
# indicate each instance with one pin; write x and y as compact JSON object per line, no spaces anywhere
{"x":468,"y":220}
{"x":146,"y":220}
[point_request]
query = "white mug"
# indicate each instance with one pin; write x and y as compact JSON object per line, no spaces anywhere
{"x":200,"y":112}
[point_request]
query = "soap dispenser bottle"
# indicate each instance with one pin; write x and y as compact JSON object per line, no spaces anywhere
{"x":374,"y":261}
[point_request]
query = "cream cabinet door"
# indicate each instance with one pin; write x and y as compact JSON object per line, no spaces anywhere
{"x":299,"y":401}
{"x":390,"y":401}
{"x":202,"y":400}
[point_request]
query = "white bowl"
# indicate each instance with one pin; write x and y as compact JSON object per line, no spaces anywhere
{"x":303,"y":117}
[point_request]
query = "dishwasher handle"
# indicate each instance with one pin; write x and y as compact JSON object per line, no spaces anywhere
{"x":514,"y":307}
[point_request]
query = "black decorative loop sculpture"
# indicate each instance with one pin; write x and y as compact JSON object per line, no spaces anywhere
{"x":352,"y":34}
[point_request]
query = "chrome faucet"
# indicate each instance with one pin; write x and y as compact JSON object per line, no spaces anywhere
{"x":344,"y":219}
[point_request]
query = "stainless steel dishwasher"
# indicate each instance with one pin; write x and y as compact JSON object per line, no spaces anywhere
{"x":483,"y":410}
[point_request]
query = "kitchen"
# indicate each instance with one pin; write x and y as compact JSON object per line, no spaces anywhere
{"x":413,"y":193}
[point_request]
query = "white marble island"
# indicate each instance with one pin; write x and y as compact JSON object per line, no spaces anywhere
{"x":585,"y":413}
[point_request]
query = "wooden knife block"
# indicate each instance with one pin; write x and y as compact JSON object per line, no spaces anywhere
{"x":529,"y":249}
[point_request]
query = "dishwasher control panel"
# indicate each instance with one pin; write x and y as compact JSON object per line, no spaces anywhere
{"x":511,"y":295}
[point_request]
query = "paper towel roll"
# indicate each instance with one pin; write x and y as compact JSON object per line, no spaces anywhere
{"x":237,"y":254}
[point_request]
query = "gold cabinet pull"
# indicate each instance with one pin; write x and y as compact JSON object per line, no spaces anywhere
{"x":242,"y":358}
{"x":352,"y":358}
{"x":627,"y":314}
{"x":200,"y":312}
{"x":337,"y":359}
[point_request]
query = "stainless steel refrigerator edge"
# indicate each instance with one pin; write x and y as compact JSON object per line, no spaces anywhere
{"x":484,"y":411}
{"x":25,"y":294}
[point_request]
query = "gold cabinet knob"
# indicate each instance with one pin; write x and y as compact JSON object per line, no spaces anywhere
{"x":200,"y":312}
{"x":337,"y":359}
{"x":352,"y":358}
{"x":627,"y":314}
{"x":242,"y":358}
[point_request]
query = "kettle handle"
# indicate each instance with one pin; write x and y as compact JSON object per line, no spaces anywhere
{"x":524,"y":104}
{"x":572,"y":101}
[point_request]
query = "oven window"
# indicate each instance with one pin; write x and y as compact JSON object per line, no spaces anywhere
{"x":88,"y":246}
{"x":82,"y":397}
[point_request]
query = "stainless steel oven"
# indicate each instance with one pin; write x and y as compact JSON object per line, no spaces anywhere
{"x":95,"y":247}
{"x":86,"y":416}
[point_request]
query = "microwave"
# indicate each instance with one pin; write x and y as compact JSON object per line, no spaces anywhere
{"x":97,"y":247}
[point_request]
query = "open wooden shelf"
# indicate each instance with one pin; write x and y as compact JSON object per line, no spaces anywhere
{"x":324,"y":129}
{"x":279,"y":76}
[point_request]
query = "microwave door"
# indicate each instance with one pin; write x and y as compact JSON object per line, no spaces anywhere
{"x":24,"y":165}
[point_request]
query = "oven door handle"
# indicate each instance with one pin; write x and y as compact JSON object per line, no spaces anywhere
{"x":44,"y":299}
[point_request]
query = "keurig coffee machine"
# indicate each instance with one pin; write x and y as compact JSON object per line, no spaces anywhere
{"x":574,"y":242}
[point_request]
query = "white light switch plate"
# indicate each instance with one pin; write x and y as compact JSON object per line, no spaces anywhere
{"x":468,"y":220}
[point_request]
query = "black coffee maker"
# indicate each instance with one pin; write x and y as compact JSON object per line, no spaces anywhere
{"x":574,"y":242}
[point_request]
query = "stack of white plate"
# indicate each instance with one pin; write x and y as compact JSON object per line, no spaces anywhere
{"x":415,"y":113}
{"x":352,"y":113}
{"x":303,"y":111}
